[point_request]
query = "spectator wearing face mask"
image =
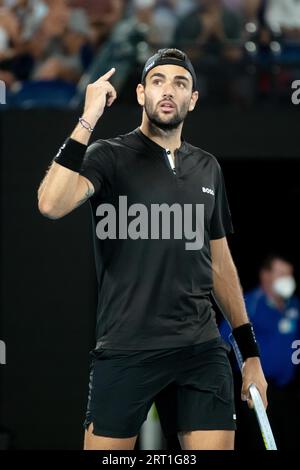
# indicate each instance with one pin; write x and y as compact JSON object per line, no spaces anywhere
{"x":274,"y":311}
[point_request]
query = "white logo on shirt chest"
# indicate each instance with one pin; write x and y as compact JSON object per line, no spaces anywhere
{"x":208,"y":190}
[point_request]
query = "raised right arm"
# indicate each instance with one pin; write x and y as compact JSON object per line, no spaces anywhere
{"x":62,"y":189}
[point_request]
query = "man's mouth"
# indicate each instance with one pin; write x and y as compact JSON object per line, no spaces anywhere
{"x":167,"y":106}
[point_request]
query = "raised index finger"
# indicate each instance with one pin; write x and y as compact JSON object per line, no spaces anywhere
{"x":107,"y":75}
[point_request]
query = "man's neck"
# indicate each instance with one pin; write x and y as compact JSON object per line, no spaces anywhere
{"x":166,"y":139}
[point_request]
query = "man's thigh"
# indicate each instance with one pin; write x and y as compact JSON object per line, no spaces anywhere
{"x":93,"y":442}
{"x":207,"y":440}
{"x":201,"y":399}
{"x":122,"y":387}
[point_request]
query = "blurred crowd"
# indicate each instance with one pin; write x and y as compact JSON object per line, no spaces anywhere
{"x":244,"y":51}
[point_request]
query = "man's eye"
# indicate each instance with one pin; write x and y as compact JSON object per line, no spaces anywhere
{"x":156,"y":81}
{"x":181,"y":84}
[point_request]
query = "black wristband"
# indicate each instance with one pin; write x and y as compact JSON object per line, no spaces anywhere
{"x":71,"y":154}
{"x":246,"y":341}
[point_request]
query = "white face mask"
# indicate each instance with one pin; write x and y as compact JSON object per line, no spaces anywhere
{"x":284,"y":286}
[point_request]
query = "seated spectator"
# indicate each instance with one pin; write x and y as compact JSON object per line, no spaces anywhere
{"x":158,"y":18}
{"x":164,"y":22}
{"x":30,"y":14}
{"x":63,"y":56}
{"x":9,"y":41}
{"x":108,"y":11}
{"x":183,"y":8}
{"x":128,"y":45}
{"x":274,"y":311}
{"x":247,"y":8}
{"x":209,"y":29}
{"x":164,"y":16}
{"x":211,"y":35}
{"x":31,"y":17}
{"x":103,"y":17}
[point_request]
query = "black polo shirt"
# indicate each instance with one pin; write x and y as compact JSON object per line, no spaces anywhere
{"x":153,"y":291}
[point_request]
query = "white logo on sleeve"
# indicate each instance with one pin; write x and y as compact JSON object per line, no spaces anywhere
{"x":208,"y":190}
{"x":60,"y":149}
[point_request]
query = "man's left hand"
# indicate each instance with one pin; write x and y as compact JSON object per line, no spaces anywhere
{"x":252,"y":373}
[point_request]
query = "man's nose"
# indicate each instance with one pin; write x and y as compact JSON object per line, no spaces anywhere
{"x":168,"y":90}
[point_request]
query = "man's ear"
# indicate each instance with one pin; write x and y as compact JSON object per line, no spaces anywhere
{"x":193,"y":101}
{"x":140,"y":94}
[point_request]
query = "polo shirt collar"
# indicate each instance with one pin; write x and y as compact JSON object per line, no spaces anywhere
{"x":154,"y":147}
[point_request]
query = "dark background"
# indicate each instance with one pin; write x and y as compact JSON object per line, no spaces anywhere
{"x":48,"y":294}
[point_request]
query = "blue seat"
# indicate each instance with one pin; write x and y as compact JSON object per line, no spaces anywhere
{"x":42,"y":93}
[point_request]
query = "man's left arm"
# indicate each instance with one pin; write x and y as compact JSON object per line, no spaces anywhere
{"x":228,"y":292}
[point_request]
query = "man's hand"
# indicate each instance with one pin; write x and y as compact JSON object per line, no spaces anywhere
{"x":252,"y":373}
{"x":98,"y":95}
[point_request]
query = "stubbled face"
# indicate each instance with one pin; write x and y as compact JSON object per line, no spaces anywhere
{"x":167,"y":96}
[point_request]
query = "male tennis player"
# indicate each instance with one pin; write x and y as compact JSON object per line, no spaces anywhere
{"x":161,"y":217}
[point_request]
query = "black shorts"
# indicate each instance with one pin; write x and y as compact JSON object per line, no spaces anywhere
{"x":192,"y":388}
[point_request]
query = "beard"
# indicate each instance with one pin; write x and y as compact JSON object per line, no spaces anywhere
{"x":169,"y":123}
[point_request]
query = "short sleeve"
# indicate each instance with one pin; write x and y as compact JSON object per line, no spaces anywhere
{"x":221,"y":223}
{"x":97,"y":165}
